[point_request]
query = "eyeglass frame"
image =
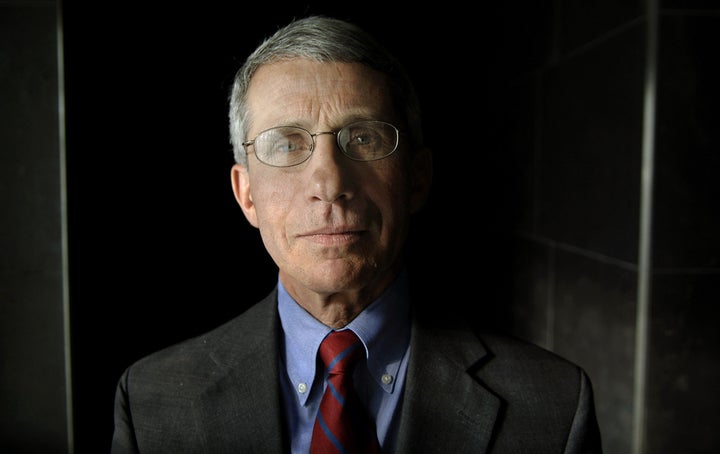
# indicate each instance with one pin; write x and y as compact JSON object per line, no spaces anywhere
{"x":335,"y":133}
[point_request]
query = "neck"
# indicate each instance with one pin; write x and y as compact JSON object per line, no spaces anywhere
{"x":337,"y":309}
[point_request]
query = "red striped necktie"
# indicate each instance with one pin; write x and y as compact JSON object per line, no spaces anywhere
{"x":342,"y":424}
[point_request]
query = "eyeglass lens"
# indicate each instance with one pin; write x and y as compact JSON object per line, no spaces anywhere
{"x":285,"y":146}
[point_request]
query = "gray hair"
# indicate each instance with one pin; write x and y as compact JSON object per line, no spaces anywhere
{"x":322,"y":39}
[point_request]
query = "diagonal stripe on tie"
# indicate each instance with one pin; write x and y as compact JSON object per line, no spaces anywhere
{"x":342,"y":424}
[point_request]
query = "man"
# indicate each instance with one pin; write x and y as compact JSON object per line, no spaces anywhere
{"x":330,"y":167}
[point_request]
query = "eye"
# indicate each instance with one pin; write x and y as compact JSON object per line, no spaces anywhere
{"x":362,"y":137}
{"x":286,"y":141}
{"x":287,"y":144}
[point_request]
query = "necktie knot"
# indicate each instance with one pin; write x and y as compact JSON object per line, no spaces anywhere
{"x":340,"y":352}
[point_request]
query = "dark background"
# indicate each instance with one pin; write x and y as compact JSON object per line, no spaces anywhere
{"x":535,"y":111}
{"x":159,"y":250}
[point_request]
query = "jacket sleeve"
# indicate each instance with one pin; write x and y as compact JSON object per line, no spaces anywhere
{"x":123,"y":440}
{"x":584,"y":433}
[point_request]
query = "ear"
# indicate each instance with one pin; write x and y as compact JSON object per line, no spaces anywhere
{"x":241,"y":188}
{"x":421,"y":175}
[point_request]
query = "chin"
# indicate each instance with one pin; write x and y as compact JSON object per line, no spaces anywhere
{"x":343,"y":278}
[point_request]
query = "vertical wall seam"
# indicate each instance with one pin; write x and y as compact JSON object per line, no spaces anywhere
{"x":550,"y":313}
{"x":64,"y":230}
{"x":645,"y":233}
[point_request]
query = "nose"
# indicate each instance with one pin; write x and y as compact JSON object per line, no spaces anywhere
{"x":329,"y":169}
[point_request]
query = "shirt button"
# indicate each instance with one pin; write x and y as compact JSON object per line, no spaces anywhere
{"x":302,"y":388}
{"x":387,"y":379}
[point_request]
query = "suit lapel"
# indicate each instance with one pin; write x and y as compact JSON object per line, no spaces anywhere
{"x":236,"y":414}
{"x":445,"y":409}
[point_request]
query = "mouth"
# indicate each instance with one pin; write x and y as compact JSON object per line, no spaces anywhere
{"x":335,"y":236}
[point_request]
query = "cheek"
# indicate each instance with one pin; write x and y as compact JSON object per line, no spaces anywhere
{"x":271,"y":199}
{"x":393,"y":188}
{"x":271,"y":206}
{"x":392,"y":199}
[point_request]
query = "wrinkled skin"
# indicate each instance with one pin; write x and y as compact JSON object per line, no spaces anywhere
{"x":334,"y":227}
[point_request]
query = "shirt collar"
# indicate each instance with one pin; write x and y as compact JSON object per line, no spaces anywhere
{"x":383,"y":327}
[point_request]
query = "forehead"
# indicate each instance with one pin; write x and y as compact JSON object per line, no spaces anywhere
{"x":311,"y":93}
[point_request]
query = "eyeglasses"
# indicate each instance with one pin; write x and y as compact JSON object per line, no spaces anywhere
{"x":286,"y":146}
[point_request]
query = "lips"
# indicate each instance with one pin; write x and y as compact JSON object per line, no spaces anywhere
{"x":335,"y":230}
{"x":333,"y":236}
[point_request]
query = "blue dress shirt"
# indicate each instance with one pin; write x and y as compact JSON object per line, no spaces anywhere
{"x":384,"y":329}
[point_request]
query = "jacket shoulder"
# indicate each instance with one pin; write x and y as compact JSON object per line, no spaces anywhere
{"x":201,"y":359}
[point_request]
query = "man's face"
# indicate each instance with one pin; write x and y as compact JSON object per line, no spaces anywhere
{"x":331,"y":224}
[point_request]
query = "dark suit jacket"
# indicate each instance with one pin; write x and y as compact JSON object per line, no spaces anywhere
{"x":464,"y":393}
